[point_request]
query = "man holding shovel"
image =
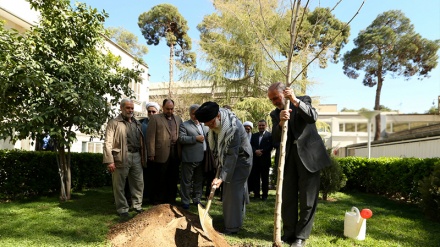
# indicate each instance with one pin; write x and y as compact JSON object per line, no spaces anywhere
{"x":305,"y":157}
{"x":230,"y":146}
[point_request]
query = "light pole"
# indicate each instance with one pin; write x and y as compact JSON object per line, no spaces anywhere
{"x":369,"y":115}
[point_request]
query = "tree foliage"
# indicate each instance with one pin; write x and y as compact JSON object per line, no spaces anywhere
{"x":128,"y":41}
{"x":164,"y":21}
{"x":389,"y":46}
{"x":63,"y":81}
{"x":246,"y":43}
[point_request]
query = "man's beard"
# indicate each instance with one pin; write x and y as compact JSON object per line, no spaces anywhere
{"x":218,"y":126}
{"x":127,"y":115}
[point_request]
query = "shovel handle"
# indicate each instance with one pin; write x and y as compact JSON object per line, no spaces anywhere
{"x":211,"y":194}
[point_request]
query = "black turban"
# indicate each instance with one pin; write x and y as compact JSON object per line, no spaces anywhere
{"x":207,"y":111}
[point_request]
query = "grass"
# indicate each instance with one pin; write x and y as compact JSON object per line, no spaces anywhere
{"x":85,"y":220}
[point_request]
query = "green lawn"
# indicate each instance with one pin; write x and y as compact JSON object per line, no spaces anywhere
{"x":85,"y":220}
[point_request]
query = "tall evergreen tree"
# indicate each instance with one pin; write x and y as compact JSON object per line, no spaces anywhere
{"x":165,"y":21}
{"x":390,"y":45}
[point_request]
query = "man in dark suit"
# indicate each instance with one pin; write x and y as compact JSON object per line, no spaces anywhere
{"x":192,"y":138}
{"x":262,"y":146}
{"x":305,"y":157}
{"x":164,"y":152}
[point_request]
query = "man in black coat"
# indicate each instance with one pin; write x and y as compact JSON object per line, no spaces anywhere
{"x":262,"y":146}
{"x":306,"y":155}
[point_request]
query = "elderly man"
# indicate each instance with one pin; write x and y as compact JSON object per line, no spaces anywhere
{"x":163,"y":153}
{"x":124,"y":155}
{"x":248,"y":126}
{"x":305,"y":157}
{"x":229,"y":144}
{"x":192,"y":138}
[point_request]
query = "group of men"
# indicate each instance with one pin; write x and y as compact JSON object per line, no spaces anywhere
{"x":241,"y":160}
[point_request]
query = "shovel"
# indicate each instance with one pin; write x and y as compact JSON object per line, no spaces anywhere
{"x":205,"y":219}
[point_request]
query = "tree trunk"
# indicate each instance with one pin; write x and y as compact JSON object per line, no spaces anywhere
{"x":377,"y":102}
{"x":279,"y":191}
{"x":63,"y":161}
{"x":281,"y":161}
{"x":170,"y":86}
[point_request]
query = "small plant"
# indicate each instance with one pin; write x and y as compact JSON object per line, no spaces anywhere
{"x":332,"y":179}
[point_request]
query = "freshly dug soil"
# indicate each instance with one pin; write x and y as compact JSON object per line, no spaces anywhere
{"x":164,"y":226}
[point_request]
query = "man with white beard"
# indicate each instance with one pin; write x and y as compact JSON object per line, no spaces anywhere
{"x":231,"y":148}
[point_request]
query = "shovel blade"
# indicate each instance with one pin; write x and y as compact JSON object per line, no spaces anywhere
{"x":205,"y":220}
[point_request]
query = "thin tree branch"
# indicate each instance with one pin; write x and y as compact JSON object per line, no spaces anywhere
{"x":325,"y":46}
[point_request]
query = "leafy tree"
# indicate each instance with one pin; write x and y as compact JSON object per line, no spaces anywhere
{"x":254,"y":109}
{"x":128,"y":41}
{"x":389,"y":45}
{"x":73,"y":85}
{"x":433,"y":111}
{"x":236,"y":59}
{"x":165,"y":21}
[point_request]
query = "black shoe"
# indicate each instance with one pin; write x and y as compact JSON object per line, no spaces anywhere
{"x":185,"y":206}
{"x":124,"y":217}
{"x":264,"y":199}
{"x":287,"y":239}
{"x":299,"y":243}
{"x":226,"y":232}
{"x":139,"y":210}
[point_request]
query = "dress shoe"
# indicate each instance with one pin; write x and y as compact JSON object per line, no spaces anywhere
{"x":139,"y":210}
{"x":299,"y":243}
{"x":124,"y":217}
{"x":185,"y":206}
{"x":287,"y":239}
{"x":226,"y":232}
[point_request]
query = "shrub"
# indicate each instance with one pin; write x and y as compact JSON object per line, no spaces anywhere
{"x":430,"y":194}
{"x":332,"y":179}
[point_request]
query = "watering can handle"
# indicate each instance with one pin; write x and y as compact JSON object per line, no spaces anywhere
{"x":356,"y":210}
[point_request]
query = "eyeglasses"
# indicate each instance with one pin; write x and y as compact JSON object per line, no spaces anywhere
{"x":151,"y":111}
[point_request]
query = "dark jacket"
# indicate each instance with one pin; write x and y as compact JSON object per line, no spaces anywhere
{"x":302,"y":129}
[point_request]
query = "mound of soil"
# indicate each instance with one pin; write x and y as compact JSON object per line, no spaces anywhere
{"x":163,"y":226}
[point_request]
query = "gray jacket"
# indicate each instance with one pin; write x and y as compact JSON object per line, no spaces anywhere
{"x":192,"y":150}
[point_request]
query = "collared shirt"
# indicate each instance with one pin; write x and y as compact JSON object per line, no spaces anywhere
{"x":133,"y":135}
{"x":261,"y":137}
{"x":173,"y":129}
{"x":200,"y":130}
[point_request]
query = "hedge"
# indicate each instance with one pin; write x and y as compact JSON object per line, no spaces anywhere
{"x":35,"y":173}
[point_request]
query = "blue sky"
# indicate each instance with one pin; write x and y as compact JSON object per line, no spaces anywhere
{"x":332,"y":86}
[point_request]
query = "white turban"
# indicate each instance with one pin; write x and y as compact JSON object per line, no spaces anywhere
{"x":153,"y":104}
{"x":248,"y":123}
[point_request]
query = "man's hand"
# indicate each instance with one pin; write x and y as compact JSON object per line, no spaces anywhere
{"x":216,"y":182}
{"x":200,"y":138}
{"x":151,"y":158}
{"x":284,"y":116}
{"x":111,"y":167}
{"x":259,"y":152}
{"x":289,"y":94}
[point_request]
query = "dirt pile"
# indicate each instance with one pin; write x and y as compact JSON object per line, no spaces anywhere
{"x":164,"y":226}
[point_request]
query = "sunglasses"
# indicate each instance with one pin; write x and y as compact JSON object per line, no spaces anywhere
{"x":151,"y":111}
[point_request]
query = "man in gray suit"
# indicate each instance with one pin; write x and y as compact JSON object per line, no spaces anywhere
{"x":305,"y":157}
{"x":192,"y":138}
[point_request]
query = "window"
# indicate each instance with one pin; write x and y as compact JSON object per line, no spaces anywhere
{"x":136,"y":87}
{"x":350,"y":127}
{"x":92,"y":147}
